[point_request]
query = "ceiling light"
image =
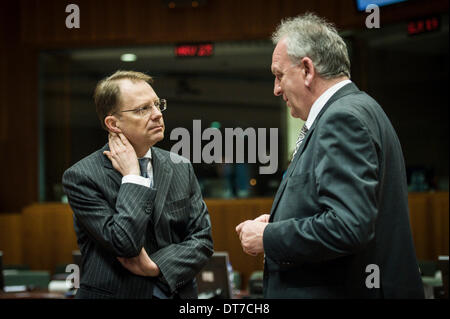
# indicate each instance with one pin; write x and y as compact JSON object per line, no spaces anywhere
{"x":128,"y":57}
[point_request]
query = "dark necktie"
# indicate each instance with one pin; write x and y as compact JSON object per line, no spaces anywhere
{"x":143,"y":164}
{"x":300,"y":139}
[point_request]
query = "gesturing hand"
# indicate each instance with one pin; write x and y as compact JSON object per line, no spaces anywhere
{"x":122,"y":155}
{"x":140,"y":265}
{"x":250,"y":234}
{"x":263,"y":218}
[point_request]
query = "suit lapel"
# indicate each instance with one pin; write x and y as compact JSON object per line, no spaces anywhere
{"x":162,"y":174}
{"x":278,"y":196}
{"x":345,"y":90}
{"x":289,"y":171}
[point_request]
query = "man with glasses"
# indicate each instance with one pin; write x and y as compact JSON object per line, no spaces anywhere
{"x":142,"y":226}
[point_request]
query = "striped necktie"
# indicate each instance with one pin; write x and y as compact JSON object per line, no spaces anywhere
{"x":300,"y":139}
{"x":143,"y":164}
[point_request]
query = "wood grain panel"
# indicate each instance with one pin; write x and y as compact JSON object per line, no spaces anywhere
{"x":145,"y":22}
{"x":18,"y":185}
{"x":18,"y":111}
{"x":429,"y":218}
{"x":225,"y":216}
{"x":420,"y":224}
{"x":439,"y":214}
{"x":49,"y":237}
{"x":42,"y":236}
{"x":11,"y":238}
{"x":28,"y":26}
{"x":3,"y":94}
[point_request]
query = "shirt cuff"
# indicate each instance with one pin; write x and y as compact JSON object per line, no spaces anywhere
{"x":136,"y":179}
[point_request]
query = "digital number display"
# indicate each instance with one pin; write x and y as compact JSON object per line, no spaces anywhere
{"x":190,"y":50}
{"x":423,"y":25}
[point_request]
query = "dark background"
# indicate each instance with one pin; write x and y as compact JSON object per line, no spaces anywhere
{"x":48,"y":73}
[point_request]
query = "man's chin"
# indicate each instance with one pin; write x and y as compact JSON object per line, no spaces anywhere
{"x":157,"y":138}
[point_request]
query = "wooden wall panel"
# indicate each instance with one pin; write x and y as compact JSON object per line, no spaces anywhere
{"x":49,"y":236}
{"x":420,"y":224}
{"x":439,"y":213}
{"x":225,"y":216}
{"x":11,"y":238}
{"x":28,"y":26}
{"x":429,"y":218}
{"x":3,"y":108}
{"x":19,"y":105}
{"x":18,"y":160}
{"x":43,"y":235}
{"x":142,"y":21}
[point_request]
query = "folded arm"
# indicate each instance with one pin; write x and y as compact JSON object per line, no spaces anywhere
{"x":179,"y":263}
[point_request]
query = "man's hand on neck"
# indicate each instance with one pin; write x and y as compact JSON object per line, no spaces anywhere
{"x":122,"y":155}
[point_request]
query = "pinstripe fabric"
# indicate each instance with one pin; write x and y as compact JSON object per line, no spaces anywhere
{"x":112,"y":219}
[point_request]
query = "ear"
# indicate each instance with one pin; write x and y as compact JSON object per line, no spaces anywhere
{"x":309,"y":71}
{"x":112,"y":124}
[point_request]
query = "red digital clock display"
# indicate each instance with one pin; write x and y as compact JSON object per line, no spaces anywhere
{"x":186,"y":50}
{"x":423,"y":25}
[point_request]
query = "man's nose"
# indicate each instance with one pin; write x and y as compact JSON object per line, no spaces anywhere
{"x":277,"y":89}
{"x":156,"y":113}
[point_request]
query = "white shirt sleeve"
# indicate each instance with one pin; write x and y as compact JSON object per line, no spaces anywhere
{"x":136,"y":179}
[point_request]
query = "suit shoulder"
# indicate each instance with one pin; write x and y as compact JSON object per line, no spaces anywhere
{"x":360,"y":102}
{"x":171,"y":157}
{"x":87,"y":163}
{"x":358,"y":106}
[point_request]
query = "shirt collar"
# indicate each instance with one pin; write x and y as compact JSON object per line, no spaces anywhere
{"x":321,"y":101}
{"x":148,"y":154}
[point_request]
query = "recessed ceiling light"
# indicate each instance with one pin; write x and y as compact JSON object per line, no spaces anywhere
{"x":128,"y":57}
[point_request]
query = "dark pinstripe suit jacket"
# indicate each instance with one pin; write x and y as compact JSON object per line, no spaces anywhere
{"x":112,"y":219}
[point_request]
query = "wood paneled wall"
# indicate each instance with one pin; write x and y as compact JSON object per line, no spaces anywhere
{"x":143,"y":21}
{"x":42,"y":236}
{"x":429,"y":214}
{"x":49,"y":236}
{"x":18,"y":111}
{"x":225,"y":216}
{"x":11,"y":238}
{"x":29,"y":26}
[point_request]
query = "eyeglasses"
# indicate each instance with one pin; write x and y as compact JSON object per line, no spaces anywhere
{"x":160,"y":104}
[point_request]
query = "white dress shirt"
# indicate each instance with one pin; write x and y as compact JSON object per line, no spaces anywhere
{"x":147,"y":182}
{"x":321,"y":101}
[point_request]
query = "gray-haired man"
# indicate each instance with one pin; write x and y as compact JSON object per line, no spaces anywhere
{"x":339,"y":224}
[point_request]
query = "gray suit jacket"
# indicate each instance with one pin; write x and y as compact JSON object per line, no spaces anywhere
{"x":343,"y":206}
{"x":112,"y":219}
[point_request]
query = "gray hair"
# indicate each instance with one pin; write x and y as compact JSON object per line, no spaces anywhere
{"x":311,"y":36}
